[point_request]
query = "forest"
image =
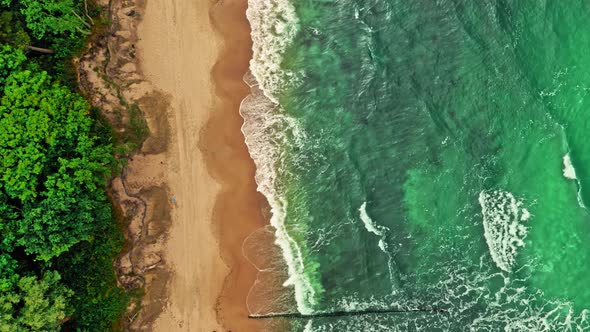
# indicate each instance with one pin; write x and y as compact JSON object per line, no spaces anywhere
{"x":58,"y":231}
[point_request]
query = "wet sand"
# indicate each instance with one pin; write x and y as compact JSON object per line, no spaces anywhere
{"x":196,"y":52}
{"x":239,"y":208}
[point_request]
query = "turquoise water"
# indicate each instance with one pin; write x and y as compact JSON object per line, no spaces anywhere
{"x":426,"y":155}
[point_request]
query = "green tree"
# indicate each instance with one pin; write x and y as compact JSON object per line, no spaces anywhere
{"x":51,"y":17}
{"x":87,"y":269}
{"x":52,"y":171}
{"x":8,"y":275}
{"x":12,"y":31}
{"x":54,"y":212}
{"x":10,"y":60}
{"x":34,"y":305}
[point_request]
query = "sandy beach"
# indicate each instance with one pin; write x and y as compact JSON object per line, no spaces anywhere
{"x":196,"y":52}
{"x":187,"y":194}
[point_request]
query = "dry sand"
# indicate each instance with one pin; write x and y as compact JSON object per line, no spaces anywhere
{"x":208,"y":170}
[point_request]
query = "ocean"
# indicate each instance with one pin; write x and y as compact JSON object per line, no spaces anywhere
{"x":426,"y":163}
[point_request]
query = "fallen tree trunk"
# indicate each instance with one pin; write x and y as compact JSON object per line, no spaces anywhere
{"x":40,"y":49}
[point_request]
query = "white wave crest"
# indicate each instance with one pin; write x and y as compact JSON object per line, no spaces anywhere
{"x":368,"y":222}
{"x":265,"y":129}
{"x":568,"y":169}
{"x":504,"y":231}
{"x":380,"y":231}
{"x":274,"y":24}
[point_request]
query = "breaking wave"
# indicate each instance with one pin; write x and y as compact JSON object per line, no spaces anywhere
{"x":274,"y":25}
{"x":380,"y":231}
{"x":568,"y":169}
{"x":264,"y":129}
{"x":504,"y":231}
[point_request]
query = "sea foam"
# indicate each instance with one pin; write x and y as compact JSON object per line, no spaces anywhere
{"x":380,"y":231}
{"x":569,"y":172}
{"x":368,"y":222}
{"x":274,"y":24}
{"x":568,"y":169}
{"x":504,"y":229}
{"x":264,"y":128}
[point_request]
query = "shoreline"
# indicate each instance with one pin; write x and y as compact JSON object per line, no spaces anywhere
{"x":240,"y":209}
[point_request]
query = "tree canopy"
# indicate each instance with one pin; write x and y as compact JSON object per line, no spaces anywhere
{"x":50,"y":168}
{"x":12,"y":31}
{"x":51,"y":17}
{"x":10,"y":60}
{"x":33,"y":304}
{"x":52,"y":23}
{"x":57,"y":233}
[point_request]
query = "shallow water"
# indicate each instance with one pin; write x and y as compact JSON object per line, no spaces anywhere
{"x":426,"y":154}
